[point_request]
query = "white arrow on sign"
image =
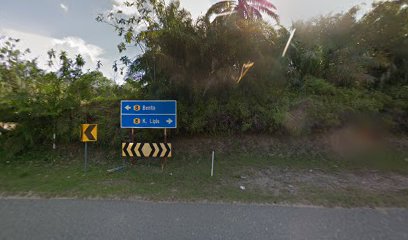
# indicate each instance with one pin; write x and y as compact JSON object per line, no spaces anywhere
{"x":128,"y":107}
{"x":169,"y":121}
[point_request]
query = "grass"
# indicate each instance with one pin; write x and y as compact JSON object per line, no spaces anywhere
{"x":186,"y":177}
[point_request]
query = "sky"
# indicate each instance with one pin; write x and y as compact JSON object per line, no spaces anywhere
{"x":70,"y":25}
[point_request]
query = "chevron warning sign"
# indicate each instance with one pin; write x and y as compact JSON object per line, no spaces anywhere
{"x":89,"y":132}
{"x":146,"y":150}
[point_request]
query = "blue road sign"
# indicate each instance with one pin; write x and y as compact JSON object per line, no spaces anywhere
{"x":148,"y":114}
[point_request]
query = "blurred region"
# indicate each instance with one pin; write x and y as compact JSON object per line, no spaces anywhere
{"x":359,"y":138}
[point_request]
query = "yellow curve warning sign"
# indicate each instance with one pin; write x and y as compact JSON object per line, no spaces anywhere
{"x":89,"y":132}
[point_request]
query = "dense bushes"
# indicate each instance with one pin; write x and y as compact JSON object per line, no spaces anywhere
{"x":319,"y":106}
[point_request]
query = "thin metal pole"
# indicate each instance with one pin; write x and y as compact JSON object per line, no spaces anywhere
{"x":54,"y":145}
{"x":132,"y":159}
{"x":86,"y":156}
{"x":54,"y":136}
{"x":165,"y":141}
{"x":212,"y":164}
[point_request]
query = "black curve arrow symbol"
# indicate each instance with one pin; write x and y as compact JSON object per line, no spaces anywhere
{"x":134,"y":154}
{"x":153,"y":150}
{"x":124,"y":148}
{"x":160,"y":150}
{"x":140,"y":150}
{"x":88,"y":132}
{"x":168,"y":153}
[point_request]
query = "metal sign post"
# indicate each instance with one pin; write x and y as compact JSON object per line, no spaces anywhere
{"x":54,"y":145}
{"x":212,"y":164}
{"x":133,"y":160}
{"x":89,"y":133}
{"x":86,"y":156}
{"x":165,"y":141}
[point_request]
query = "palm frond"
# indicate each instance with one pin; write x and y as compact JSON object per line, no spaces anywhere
{"x":267,"y":11}
{"x":219,"y":8}
{"x":246,"y":9}
{"x":254,"y":12}
{"x":263,"y":3}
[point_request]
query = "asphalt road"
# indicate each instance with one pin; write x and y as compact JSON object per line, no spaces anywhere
{"x":77,"y":219}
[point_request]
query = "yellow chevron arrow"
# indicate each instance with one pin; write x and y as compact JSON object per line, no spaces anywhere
{"x":156,"y":149}
{"x":123,"y":149}
{"x":129,"y":149}
{"x":137,"y":150}
{"x":163,"y":153}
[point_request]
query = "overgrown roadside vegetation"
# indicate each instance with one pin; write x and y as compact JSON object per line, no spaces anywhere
{"x":336,"y":105}
{"x":275,"y":172}
{"x":339,"y":70}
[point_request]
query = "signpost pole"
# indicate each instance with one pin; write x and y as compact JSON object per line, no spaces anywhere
{"x":212,"y":164}
{"x":132,"y":160}
{"x":86,"y":156}
{"x":165,"y":141}
{"x":54,"y":145}
{"x":89,"y":133}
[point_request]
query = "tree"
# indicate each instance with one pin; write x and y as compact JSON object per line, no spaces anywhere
{"x":41,"y":103}
{"x":336,"y":63}
{"x":245,"y":9}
